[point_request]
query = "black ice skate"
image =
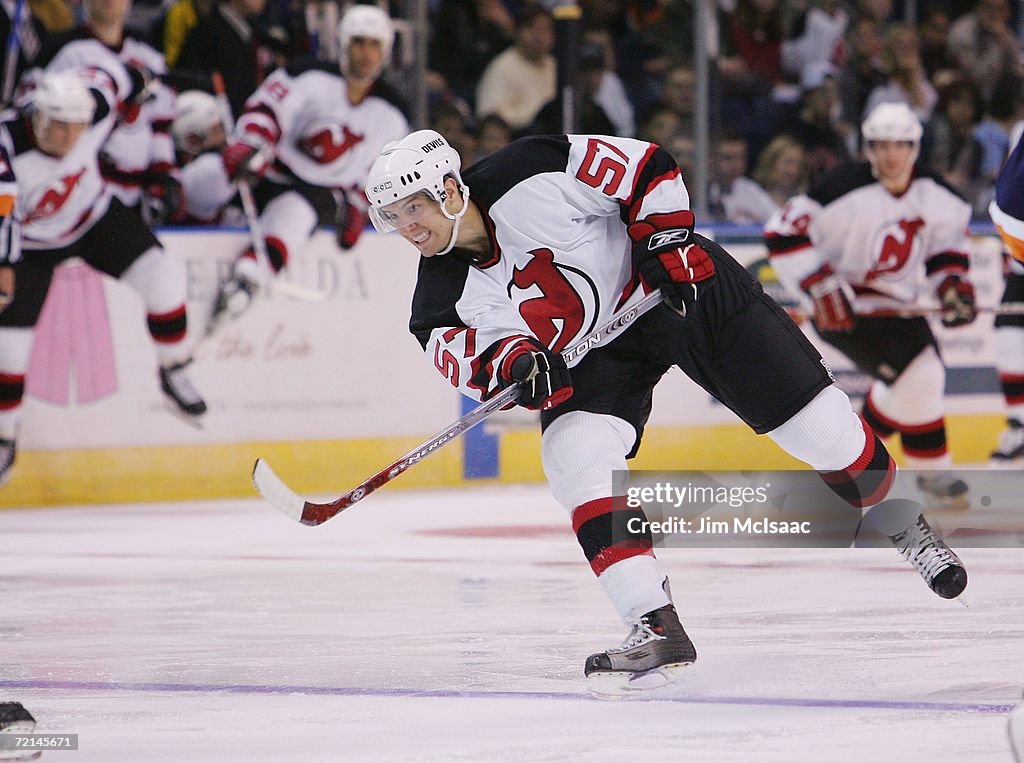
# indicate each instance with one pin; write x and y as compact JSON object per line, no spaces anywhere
{"x":943,"y":490}
{"x":234,"y":298}
{"x":179,"y":389}
{"x":1010,"y":453}
{"x":15,"y":720}
{"x":941,"y":569}
{"x":656,"y":652}
{"x":8,"y":450}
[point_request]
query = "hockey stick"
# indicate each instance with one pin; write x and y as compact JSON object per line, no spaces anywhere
{"x":273,"y":489}
{"x":13,"y":48}
{"x":252,"y":218}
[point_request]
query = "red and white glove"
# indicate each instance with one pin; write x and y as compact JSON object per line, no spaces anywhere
{"x":956,"y":294}
{"x":542,"y":375}
{"x":832,"y":308}
{"x":245,"y":161}
{"x":668,"y":257}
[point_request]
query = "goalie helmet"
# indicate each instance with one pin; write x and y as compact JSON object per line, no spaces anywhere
{"x":892,"y":121}
{"x":419,"y":163}
{"x":365,"y":21}
{"x":195,"y":113}
{"x":61,"y":97}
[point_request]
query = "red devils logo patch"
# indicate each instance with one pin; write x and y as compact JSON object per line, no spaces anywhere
{"x":329,"y":143}
{"x":897,"y":246}
{"x":558,"y":313}
{"x":55,"y":197}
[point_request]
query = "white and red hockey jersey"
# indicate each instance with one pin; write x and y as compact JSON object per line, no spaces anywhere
{"x":897,"y":247}
{"x":59,"y":199}
{"x":319,"y":136}
{"x":141,"y":148}
{"x":556,"y":210}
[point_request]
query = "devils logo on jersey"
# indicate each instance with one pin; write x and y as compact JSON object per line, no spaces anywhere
{"x":54,"y":197}
{"x":557,"y":315}
{"x":327,"y":144}
{"x":897,"y":244}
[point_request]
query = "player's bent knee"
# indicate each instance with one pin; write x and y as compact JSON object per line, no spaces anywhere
{"x":580,"y":451}
{"x":160,"y":278}
{"x":826,"y":433}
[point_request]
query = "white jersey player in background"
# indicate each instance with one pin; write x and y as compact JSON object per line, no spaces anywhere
{"x":1007,"y":212}
{"x":199,"y":138}
{"x":311,"y":136}
{"x":138,"y":158}
{"x":66,"y":210}
{"x":551,"y":236}
{"x":884,"y":232}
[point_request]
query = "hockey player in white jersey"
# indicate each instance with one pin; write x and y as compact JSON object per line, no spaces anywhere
{"x":1007,"y":212}
{"x":551,"y":236}
{"x":66,"y":210}
{"x":883,"y":232}
{"x":199,"y":138}
{"x":311,"y":136}
{"x":137,"y":159}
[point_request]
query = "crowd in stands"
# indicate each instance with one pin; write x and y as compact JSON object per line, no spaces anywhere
{"x":791,"y":79}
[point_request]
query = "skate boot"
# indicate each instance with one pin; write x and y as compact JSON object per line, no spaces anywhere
{"x":234,"y":298}
{"x":179,"y":389}
{"x":15,"y":720}
{"x":655,"y":653}
{"x":943,"y":490}
{"x":927,"y":553}
{"x":8,"y":450}
{"x":1010,"y":453}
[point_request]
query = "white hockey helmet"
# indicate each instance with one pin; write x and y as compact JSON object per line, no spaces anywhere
{"x":195,"y":113}
{"x":61,"y":97}
{"x":418,"y":163}
{"x":365,"y":21}
{"x":892,"y":121}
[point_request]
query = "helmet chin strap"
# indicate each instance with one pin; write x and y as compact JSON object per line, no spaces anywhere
{"x":457,"y":217}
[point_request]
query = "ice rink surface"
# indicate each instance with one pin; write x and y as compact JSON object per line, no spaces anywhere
{"x":453,"y":625}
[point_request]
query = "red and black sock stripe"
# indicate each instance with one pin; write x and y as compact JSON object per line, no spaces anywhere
{"x":12,"y":390}
{"x":602,"y":527}
{"x":1013,"y":388}
{"x":169,"y":327}
{"x":924,"y":440}
{"x":867,"y":480}
{"x":878,"y":421}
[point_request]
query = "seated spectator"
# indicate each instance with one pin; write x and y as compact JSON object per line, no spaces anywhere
{"x":815,"y":125}
{"x":453,"y":120}
{"x":861,"y":74}
{"x":782,"y":169}
{"x":492,"y":133}
{"x":907,"y":82}
{"x":678,"y":94}
{"x":983,"y":47}
{"x":661,"y":126}
{"x":591,"y":119}
{"x":950,"y":148}
{"x":182,"y":18}
{"x":522,"y":78}
{"x":733,"y":197}
{"x":611,"y":93}
{"x":933,"y":31}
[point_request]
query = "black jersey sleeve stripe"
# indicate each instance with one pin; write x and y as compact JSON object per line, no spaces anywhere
{"x":656,"y":166}
{"x":943,"y":261}
{"x":439,"y":286}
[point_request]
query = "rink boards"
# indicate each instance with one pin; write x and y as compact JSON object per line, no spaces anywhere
{"x":332,"y":391}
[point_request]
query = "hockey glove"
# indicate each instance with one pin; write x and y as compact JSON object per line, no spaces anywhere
{"x":957,"y":297}
{"x":244,"y":161}
{"x":163,"y":202}
{"x":832,"y":308}
{"x":541,"y":374}
{"x":668,"y":258}
{"x":349,"y":223}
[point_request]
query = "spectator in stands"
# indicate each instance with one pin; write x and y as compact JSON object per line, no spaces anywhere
{"x":983,"y":47}
{"x":907,"y":82}
{"x":933,"y":31}
{"x":465,"y":35}
{"x":591,"y":118}
{"x":492,"y":133}
{"x":733,"y":197}
{"x":521,"y":79}
{"x":661,"y":126}
{"x":452,"y":119}
{"x":952,"y":150}
{"x":782,"y":169}
{"x":817,"y":37}
{"x":678,"y":94}
{"x":611,"y":93}
{"x":860,"y":76}
{"x":815,"y":125}
{"x":182,"y":17}
{"x":229,"y":42}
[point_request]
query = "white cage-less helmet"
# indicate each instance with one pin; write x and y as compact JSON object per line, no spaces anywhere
{"x":419,"y":163}
{"x":195,"y":113}
{"x":892,"y":121}
{"x":365,"y":21}
{"x":62,"y":97}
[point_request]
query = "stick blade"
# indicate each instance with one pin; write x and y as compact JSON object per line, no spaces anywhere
{"x":278,"y":494}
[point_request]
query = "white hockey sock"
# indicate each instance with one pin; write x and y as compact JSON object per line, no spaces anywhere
{"x":635,"y":586}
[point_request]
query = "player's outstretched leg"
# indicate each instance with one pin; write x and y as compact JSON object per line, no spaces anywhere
{"x":654,"y":653}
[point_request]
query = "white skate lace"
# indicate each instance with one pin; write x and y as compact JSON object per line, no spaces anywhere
{"x":923,"y":549}
{"x":640,"y":633}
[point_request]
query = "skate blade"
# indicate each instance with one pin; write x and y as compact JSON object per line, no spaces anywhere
{"x":19,"y":728}
{"x":621,"y":684}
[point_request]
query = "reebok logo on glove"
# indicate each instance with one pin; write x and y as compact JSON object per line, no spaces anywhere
{"x":665,"y":238}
